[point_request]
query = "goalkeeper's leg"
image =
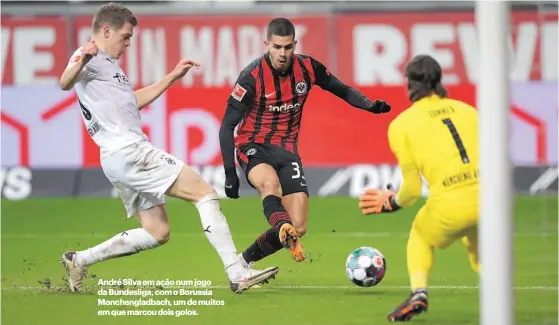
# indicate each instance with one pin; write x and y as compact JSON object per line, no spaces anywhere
{"x":470,"y":242}
{"x":420,"y":261}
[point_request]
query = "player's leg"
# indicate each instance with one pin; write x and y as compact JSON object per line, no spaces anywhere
{"x":470,"y":242}
{"x":264,"y":178}
{"x":150,"y":212}
{"x":190,"y":186}
{"x":430,"y":230}
{"x":295,"y":192}
{"x":297,"y":205}
{"x":420,"y":258}
{"x":419,"y":267}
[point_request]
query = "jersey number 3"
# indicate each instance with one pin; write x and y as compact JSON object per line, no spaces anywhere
{"x":457,"y":140}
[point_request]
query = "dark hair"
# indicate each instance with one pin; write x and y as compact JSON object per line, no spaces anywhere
{"x":114,"y":14}
{"x":424,"y":78}
{"x":280,"y":27}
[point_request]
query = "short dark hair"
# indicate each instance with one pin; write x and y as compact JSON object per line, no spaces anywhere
{"x":114,"y":14}
{"x":280,"y":27}
{"x":424,"y":75}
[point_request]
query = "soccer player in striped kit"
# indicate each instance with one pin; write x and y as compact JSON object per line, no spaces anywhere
{"x":267,"y":104}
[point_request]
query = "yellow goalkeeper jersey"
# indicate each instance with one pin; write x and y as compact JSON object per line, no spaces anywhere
{"x":436,"y":138}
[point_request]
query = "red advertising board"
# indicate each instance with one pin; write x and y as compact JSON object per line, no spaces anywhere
{"x":362,"y":49}
{"x":373,"y":49}
{"x":34,"y":50}
{"x":46,"y":130}
{"x":224,"y":45}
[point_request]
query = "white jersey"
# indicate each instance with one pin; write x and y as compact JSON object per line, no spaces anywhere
{"x":108,"y":104}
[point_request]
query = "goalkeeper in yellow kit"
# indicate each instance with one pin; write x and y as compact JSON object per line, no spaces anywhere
{"x":437,"y":138}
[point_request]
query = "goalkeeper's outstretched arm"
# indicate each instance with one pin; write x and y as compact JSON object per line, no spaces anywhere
{"x":377,"y":200}
{"x":410,"y":190}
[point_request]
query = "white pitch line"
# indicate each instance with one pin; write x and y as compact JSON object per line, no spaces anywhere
{"x":299,"y":287}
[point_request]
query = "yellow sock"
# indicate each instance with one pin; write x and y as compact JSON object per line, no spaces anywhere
{"x":470,"y":242}
{"x":420,"y":260}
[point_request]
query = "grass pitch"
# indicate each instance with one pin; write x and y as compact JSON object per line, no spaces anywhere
{"x":36,"y":232}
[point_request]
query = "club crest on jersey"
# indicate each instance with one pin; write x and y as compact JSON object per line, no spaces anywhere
{"x":301,"y":87}
{"x":238,"y":92}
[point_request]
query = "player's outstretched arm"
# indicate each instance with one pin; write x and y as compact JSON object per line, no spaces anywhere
{"x":378,"y":200}
{"x":352,"y":96}
{"x":147,"y":95}
{"x":410,"y":190}
{"x":76,"y":64}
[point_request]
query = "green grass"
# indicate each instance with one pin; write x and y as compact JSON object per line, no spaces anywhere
{"x":36,"y":232}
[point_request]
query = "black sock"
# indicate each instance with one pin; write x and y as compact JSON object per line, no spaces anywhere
{"x":275,"y":212}
{"x":266,"y":244}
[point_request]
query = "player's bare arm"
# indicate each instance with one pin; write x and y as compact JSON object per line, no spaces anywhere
{"x":352,"y":96}
{"x":147,"y":95}
{"x":70,"y":74}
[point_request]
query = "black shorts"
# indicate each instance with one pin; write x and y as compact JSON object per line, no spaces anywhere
{"x":288,"y":165}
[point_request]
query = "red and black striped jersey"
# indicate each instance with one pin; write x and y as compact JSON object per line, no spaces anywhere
{"x":266,"y":106}
{"x":273,"y":102}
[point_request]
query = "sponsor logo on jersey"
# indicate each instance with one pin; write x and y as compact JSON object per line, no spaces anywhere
{"x":283,"y":108}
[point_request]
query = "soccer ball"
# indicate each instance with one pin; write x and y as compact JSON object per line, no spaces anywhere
{"x":365,"y":266}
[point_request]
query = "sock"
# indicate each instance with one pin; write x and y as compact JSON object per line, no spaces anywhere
{"x":266,"y":244}
{"x":420,"y":290}
{"x":275,"y":212}
{"x":217,"y":231}
{"x":470,"y":242}
{"x":419,"y":259}
{"x":244,"y":263}
{"x":126,"y":243}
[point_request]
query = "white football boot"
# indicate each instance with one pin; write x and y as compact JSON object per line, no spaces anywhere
{"x":75,"y":272}
{"x":253,"y":278}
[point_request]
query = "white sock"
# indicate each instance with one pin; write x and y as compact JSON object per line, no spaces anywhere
{"x":126,"y":243}
{"x":217,"y":231}
{"x":243,"y":262}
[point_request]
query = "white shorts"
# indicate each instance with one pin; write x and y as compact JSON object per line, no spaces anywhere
{"x":141,"y":174}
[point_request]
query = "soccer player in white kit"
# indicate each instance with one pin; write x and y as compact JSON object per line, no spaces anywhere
{"x":141,"y":173}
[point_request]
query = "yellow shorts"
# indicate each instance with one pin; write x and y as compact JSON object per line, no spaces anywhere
{"x":441,"y":224}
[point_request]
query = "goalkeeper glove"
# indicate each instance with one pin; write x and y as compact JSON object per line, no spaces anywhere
{"x":378,"y":201}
